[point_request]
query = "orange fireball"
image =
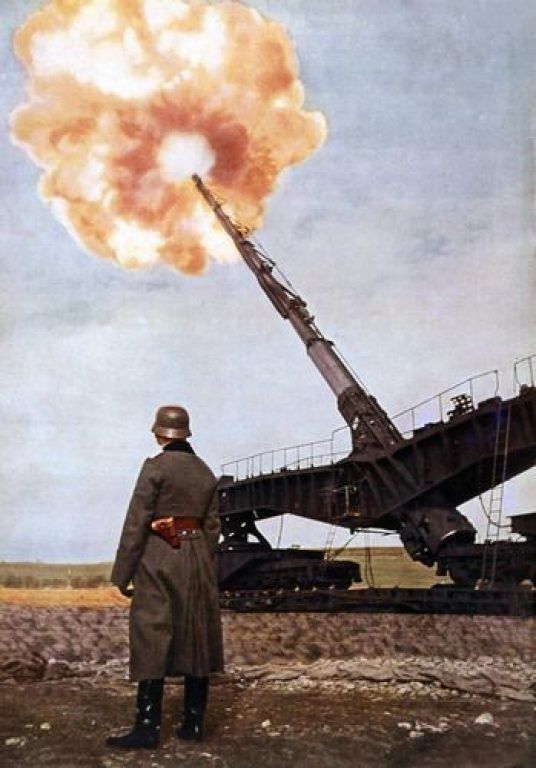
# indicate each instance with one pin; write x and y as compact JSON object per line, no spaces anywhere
{"x":128,"y":98}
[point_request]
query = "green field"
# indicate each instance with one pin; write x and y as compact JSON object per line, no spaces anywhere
{"x":37,"y":575}
{"x":389,"y":567}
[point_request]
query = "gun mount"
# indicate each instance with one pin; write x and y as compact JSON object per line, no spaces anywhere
{"x":408,"y":484}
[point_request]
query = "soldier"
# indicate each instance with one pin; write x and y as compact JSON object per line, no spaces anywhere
{"x":171,"y":529}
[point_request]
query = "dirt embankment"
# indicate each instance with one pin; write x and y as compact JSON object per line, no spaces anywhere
{"x":99,"y":634}
{"x":481,"y":654}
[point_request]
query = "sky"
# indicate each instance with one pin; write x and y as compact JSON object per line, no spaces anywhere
{"x":409,"y":234}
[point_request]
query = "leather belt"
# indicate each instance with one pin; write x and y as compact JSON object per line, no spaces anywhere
{"x":173,"y":529}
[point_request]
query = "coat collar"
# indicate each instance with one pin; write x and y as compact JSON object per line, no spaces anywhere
{"x":179,"y":445}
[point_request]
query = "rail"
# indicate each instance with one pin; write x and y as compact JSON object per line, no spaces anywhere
{"x":291,"y":457}
{"x":441,"y":599}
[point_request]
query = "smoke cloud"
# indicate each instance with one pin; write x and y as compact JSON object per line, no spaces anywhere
{"x":128,"y":98}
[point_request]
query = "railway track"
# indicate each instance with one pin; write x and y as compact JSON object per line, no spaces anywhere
{"x":437,"y":600}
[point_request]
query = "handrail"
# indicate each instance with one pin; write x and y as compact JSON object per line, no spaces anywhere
{"x":301,"y":456}
{"x":441,"y":402}
{"x":306,"y":454}
{"x":530,"y":362}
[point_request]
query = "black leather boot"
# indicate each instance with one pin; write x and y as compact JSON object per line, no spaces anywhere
{"x":146,"y":731}
{"x":195,"y":703}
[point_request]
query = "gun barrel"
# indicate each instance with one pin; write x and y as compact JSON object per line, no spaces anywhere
{"x":369,"y":423}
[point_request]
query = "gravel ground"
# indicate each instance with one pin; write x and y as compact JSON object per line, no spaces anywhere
{"x":64,"y":723}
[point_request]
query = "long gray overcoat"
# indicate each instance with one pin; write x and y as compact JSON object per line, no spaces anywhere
{"x":175,"y":624}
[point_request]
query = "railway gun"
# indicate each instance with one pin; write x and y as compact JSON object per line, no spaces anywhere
{"x":407,"y":482}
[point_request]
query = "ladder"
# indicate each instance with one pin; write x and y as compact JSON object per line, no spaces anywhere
{"x":369,"y":572}
{"x":496,"y":498}
{"x":330,"y":539}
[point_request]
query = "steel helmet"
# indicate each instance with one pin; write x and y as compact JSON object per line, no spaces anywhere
{"x":172,"y":421}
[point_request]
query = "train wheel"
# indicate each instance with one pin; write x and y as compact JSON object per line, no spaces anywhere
{"x":463,"y":575}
